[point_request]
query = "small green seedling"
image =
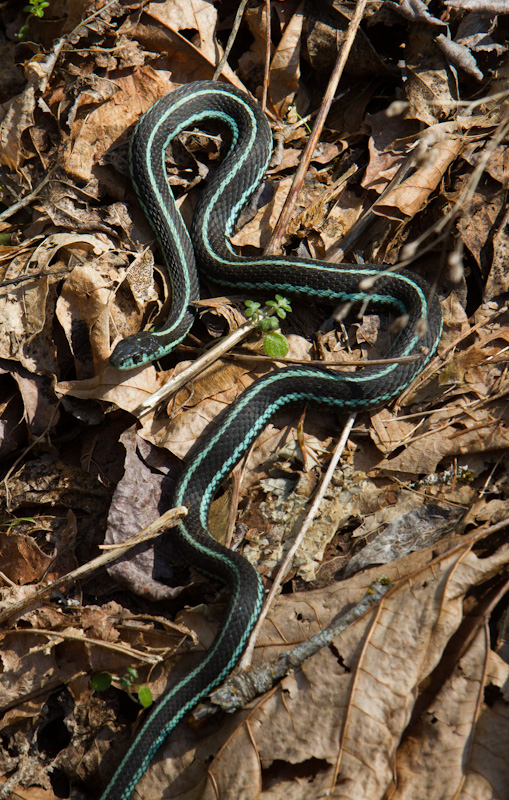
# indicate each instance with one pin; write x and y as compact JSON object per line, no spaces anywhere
{"x":274,"y":343}
{"x":128,"y":683}
{"x":10,"y":525}
{"x":35,"y":8}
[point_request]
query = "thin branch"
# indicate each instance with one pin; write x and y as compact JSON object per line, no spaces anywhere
{"x":239,"y":690}
{"x":126,"y":650}
{"x":231,"y":39}
{"x":266,"y":66}
{"x":200,"y":364}
{"x":167,"y":520}
{"x":330,"y":91}
{"x":27,"y":199}
{"x":285,"y":566}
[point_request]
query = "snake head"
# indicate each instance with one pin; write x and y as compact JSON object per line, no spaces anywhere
{"x":140,"y":348}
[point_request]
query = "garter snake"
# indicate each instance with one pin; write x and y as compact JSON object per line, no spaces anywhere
{"x":215,"y":454}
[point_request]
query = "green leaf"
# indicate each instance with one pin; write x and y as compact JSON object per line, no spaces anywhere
{"x":145,"y":696}
{"x":101,"y":682}
{"x":17,"y":521}
{"x":284,"y":303}
{"x":23,"y":32}
{"x":252,"y":309}
{"x":275,"y":345}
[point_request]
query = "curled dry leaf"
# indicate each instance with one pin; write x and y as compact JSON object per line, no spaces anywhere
{"x":406,"y":200}
{"x":138,"y":499}
{"x":340,"y":724}
{"x":415,"y":10}
{"x":285,"y":64}
{"x":459,"y":55}
{"x":355,"y":710}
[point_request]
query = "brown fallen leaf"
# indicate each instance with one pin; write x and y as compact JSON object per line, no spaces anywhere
{"x":408,"y":198}
{"x":341,"y":722}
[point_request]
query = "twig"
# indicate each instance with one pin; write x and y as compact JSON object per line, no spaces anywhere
{"x":126,"y":650}
{"x":330,"y":91}
{"x":27,"y":199}
{"x":266,"y":66}
{"x":167,"y":520}
{"x":33,"y":276}
{"x":239,"y":690}
{"x":316,"y":362}
{"x":231,"y":39}
{"x":199,"y":365}
{"x":283,"y":569}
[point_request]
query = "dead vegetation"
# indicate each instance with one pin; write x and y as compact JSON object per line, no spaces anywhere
{"x":411,"y":166}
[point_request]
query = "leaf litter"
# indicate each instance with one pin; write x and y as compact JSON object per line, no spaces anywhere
{"x":410,"y":700}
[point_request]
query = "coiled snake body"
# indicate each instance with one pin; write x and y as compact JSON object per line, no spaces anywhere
{"x":216,"y":454}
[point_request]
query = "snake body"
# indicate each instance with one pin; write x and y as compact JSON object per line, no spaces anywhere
{"x":217,"y":453}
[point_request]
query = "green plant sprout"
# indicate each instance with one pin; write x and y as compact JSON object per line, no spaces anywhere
{"x":128,"y":683}
{"x":10,"y":525}
{"x":274,"y":343}
{"x":35,"y":8}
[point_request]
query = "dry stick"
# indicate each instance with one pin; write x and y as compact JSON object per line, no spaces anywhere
{"x":127,"y":650}
{"x":231,"y":39}
{"x":239,"y":690}
{"x":266,"y":66}
{"x":337,"y":72}
{"x":27,"y":199}
{"x":283,"y":569}
{"x":33,"y":276}
{"x":167,"y":520}
{"x":317,"y":362}
{"x":194,"y":369}
{"x":256,"y":680}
